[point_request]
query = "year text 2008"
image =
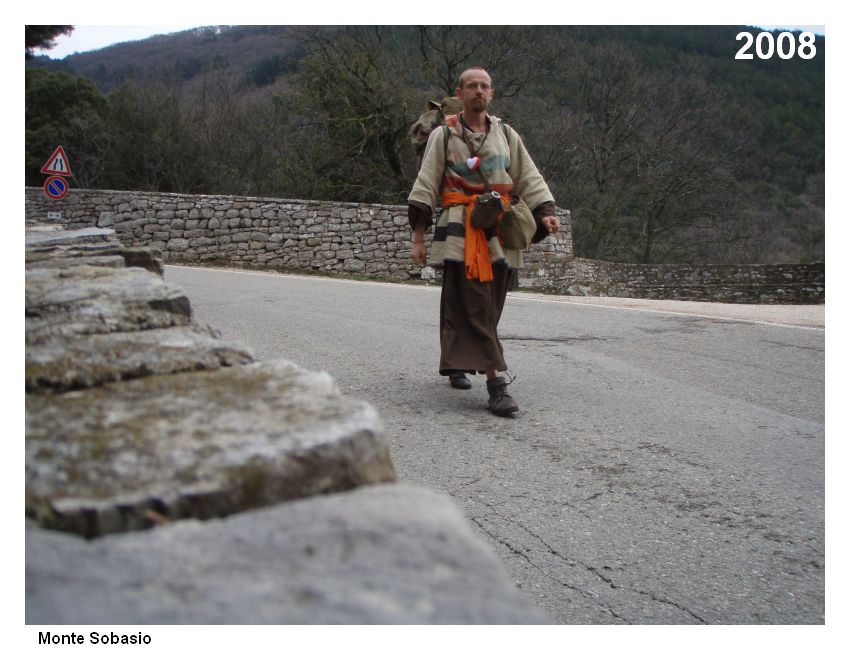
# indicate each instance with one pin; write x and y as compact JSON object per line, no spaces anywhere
{"x":784,"y":45}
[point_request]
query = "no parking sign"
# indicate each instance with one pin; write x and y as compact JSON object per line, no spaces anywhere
{"x":56,"y":187}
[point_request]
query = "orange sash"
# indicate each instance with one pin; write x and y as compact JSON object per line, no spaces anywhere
{"x":476,"y":253}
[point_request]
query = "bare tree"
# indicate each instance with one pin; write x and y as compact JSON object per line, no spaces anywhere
{"x":155,"y":145}
{"x":356,"y":91}
{"x":641,"y":161}
{"x":515,"y":56}
{"x":240,"y":133}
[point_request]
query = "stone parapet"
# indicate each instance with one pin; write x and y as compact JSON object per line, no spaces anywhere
{"x":743,"y":283}
{"x":172,"y":422}
{"x":256,"y":232}
{"x":373,"y":240}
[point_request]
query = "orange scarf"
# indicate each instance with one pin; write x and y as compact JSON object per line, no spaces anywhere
{"x":476,"y":253}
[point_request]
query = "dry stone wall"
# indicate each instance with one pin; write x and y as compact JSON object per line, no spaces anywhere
{"x":333,"y":238}
{"x":374,"y":240}
{"x":750,"y":283}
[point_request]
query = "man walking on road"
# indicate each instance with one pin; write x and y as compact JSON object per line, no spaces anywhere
{"x":481,"y":155}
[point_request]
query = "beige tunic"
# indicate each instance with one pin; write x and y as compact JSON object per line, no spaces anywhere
{"x":507,"y":166}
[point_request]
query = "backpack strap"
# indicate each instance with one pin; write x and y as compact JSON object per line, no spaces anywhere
{"x":507,"y":133}
{"x":446,"y":135}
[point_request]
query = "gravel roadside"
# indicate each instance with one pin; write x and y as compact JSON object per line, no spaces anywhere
{"x":808,"y":316}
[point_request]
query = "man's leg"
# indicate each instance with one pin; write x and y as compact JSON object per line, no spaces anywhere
{"x":500,"y":403}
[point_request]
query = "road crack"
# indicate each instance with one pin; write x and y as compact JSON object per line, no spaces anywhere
{"x":557,"y":339}
{"x":608,"y":580}
{"x":531,"y":563}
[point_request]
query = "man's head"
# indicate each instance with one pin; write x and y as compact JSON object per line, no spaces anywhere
{"x":475,"y":89}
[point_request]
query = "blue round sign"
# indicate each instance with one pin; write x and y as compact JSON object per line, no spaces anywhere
{"x":56,"y":187}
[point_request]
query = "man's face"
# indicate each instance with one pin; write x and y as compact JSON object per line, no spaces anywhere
{"x":476,"y":92}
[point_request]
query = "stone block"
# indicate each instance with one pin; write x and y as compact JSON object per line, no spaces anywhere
{"x":354,"y":266}
{"x":388,"y":554}
{"x":73,"y":251}
{"x":121,"y":456}
{"x":89,"y":300}
{"x":41,"y":239}
{"x":66,"y":364}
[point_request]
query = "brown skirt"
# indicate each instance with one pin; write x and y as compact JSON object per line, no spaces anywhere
{"x":469,"y":316}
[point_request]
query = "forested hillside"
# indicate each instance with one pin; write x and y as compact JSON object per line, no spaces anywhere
{"x":663,"y":145}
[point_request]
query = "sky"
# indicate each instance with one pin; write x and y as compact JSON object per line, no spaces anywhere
{"x":93,"y":37}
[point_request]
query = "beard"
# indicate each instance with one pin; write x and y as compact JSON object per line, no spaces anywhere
{"x":478,"y":105}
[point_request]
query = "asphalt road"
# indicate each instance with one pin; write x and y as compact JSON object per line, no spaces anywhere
{"x":667,"y":463}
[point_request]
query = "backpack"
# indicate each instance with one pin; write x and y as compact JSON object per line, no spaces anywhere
{"x":433,"y":117}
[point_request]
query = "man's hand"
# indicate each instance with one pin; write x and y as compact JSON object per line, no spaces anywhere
{"x":417,"y":253}
{"x":553,"y":224}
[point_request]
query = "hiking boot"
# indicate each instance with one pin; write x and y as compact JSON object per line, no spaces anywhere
{"x":459,"y":380}
{"x":500,"y":402}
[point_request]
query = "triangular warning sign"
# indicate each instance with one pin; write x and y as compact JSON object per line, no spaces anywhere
{"x":57,"y":164}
